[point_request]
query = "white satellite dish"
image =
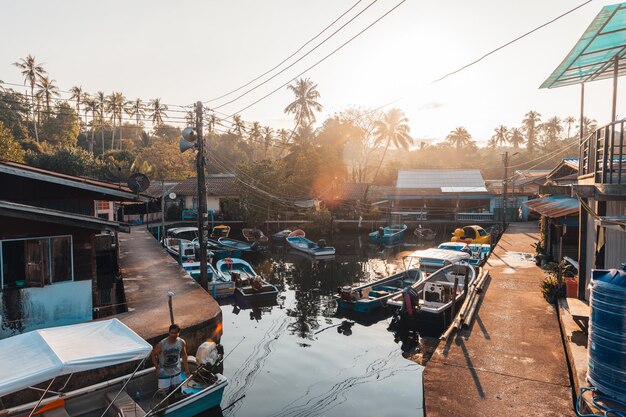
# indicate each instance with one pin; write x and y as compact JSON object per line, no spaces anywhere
{"x":172,"y":196}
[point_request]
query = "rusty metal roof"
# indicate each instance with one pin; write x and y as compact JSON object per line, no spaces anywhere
{"x":554,"y":206}
{"x":222,"y":185}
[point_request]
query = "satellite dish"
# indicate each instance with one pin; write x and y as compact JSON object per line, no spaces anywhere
{"x":138,"y":182}
{"x":172,"y":196}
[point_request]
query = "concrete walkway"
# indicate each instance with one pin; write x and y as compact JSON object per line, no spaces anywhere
{"x":148,"y":273}
{"x":511,"y":361}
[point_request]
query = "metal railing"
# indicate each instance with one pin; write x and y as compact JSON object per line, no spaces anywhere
{"x":476,"y":217}
{"x":602,"y":155}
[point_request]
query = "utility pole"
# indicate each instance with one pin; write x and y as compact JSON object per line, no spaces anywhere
{"x":202,"y":226}
{"x":505,"y":181}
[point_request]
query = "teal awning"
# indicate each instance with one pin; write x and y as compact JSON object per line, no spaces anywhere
{"x":593,"y":57}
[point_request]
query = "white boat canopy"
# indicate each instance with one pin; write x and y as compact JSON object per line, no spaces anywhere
{"x":451,"y":256}
{"x":30,"y":358}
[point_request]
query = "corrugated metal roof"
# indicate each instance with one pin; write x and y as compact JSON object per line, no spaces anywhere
{"x":440,"y":178}
{"x":554,"y":206}
{"x":222,"y":185}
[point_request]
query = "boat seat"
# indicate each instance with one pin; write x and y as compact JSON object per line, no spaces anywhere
{"x":124,"y":405}
{"x":56,"y":412}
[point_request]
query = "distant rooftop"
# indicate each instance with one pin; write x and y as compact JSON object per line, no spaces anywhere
{"x":222,"y":185}
{"x":445,"y":180}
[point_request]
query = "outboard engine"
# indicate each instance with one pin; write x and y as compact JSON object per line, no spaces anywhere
{"x":321,"y":243}
{"x":381,"y":231}
{"x":254,"y":245}
{"x":208,"y":357}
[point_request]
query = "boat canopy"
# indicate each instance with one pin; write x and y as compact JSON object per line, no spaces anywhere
{"x":34,"y":357}
{"x":451,"y":256}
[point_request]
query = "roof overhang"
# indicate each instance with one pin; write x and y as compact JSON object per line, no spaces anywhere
{"x":40,"y":214}
{"x":612,"y":222}
{"x":593,"y":56}
{"x":70,"y":181}
{"x":554,"y":206}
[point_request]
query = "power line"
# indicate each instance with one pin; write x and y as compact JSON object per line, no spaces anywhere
{"x":513,"y":41}
{"x":290,"y":56}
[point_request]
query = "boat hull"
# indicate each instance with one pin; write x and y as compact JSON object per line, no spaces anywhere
{"x":431,"y":323}
{"x":201,"y":402}
{"x":309,"y":247}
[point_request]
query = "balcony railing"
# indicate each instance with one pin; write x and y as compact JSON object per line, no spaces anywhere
{"x":602,"y":155}
{"x":475,"y":217}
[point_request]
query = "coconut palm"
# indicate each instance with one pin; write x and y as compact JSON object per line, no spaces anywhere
{"x":254,"y":135}
{"x":210,"y":123}
{"x":136,"y":110}
{"x":530,"y":124}
{"x":459,"y":138}
{"x":516,"y":137}
{"x":569,"y":120}
{"x":501,"y":135}
{"x":91,"y":105}
{"x":492,"y":143}
{"x":552,"y":130}
{"x":77,"y":95}
{"x":47,"y":91}
{"x":157,"y":111}
{"x":31,"y":72}
{"x":238,"y":127}
{"x":305,"y":104}
{"x":102,"y":104}
{"x":392,"y":129}
{"x":589,"y":125}
{"x":268,"y":137}
{"x":84,"y":99}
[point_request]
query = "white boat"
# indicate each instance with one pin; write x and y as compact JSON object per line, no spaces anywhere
{"x":55,"y":352}
{"x":249,"y":284}
{"x":307,"y":246}
{"x":433,"y":259}
{"x":479,"y":251}
{"x":219,"y":285}
{"x":430,"y":300}
{"x":179,"y":242}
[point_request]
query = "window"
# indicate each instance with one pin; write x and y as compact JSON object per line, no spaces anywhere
{"x":36,"y":262}
{"x":103,"y":205}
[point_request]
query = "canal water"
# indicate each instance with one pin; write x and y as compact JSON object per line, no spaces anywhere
{"x":301,"y":356}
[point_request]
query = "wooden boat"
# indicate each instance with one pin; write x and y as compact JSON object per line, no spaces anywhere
{"x":471,"y":234}
{"x":424,"y":233}
{"x":219,"y":285}
{"x":59,"y":351}
{"x":430,"y":301}
{"x":248,"y":283}
{"x":179,"y":242}
{"x":388,"y":235}
{"x":297,"y":233}
{"x":254,"y":235}
{"x":368,"y":297}
{"x":234,"y":244}
{"x":221,"y":230}
{"x":307,"y":246}
{"x":433,"y":259}
{"x":281,"y":236}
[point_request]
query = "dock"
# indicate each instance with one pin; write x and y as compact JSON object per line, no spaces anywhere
{"x":148,"y":274}
{"x":511,"y":360}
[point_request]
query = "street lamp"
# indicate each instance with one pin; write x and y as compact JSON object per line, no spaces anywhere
{"x":192,"y":138}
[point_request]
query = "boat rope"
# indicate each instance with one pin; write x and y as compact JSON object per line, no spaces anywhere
{"x":123,"y":386}
{"x":41,"y":398}
{"x":606,"y":411}
{"x":233,"y":403}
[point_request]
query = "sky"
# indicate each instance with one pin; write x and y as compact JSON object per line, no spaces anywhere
{"x":188,"y":51}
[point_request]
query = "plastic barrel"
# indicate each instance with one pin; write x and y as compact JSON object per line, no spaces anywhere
{"x":607,"y":332}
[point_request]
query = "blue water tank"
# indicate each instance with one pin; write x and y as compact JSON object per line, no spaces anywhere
{"x":607,"y":332}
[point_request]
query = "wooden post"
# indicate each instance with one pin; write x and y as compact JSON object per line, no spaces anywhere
{"x":170,"y":296}
{"x":454,"y":289}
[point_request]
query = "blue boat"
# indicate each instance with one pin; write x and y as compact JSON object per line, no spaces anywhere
{"x":234,"y":244}
{"x":479,"y":251}
{"x":219,"y":285}
{"x":219,"y":251}
{"x":248,"y":283}
{"x":307,"y":246}
{"x":374,"y":295}
{"x":388,"y":235}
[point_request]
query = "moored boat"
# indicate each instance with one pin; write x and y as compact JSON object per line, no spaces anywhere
{"x":424,"y":233}
{"x":219,"y":285}
{"x":66,"y":350}
{"x":220,"y":230}
{"x":254,"y":235}
{"x":371,"y":296}
{"x":430,"y":301}
{"x":281,"y":236}
{"x":234,"y":244}
{"x":433,"y":259}
{"x":471,"y":234}
{"x":307,"y":246}
{"x":179,"y":242}
{"x":248,"y":283}
{"x":297,"y":233}
{"x":479,"y":252}
{"x":388,"y":235}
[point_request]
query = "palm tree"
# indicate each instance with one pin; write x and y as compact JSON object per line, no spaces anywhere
{"x":459,"y":137}
{"x":589,"y":125}
{"x":516,"y":137}
{"x":268,"y":137}
{"x":47,"y":90}
{"x":31,"y":72}
{"x":136,"y":110}
{"x":91,"y":105}
{"x":552,"y":129}
{"x":77,"y":95}
{"x":570,"y":121}
{"x":84,"y":99}
{"x":502,"y":135}
{"x":157,"y":111}
{"x":190,"y":118}
{"x":492,"y":143}
{"x":238,"y":127}
{"x":254,"y":135}
{"x":115,"y":105}
{"x":210,"y":123}
{"x":394,"y":129}
{"x":530,"y":124}
{"x":101,"y":100}
{"x":305,"y":103}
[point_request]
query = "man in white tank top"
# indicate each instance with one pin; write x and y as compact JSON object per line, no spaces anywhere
{"x":166,"y":358}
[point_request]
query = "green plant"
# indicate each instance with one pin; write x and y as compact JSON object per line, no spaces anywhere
{"x":552,"y":289}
